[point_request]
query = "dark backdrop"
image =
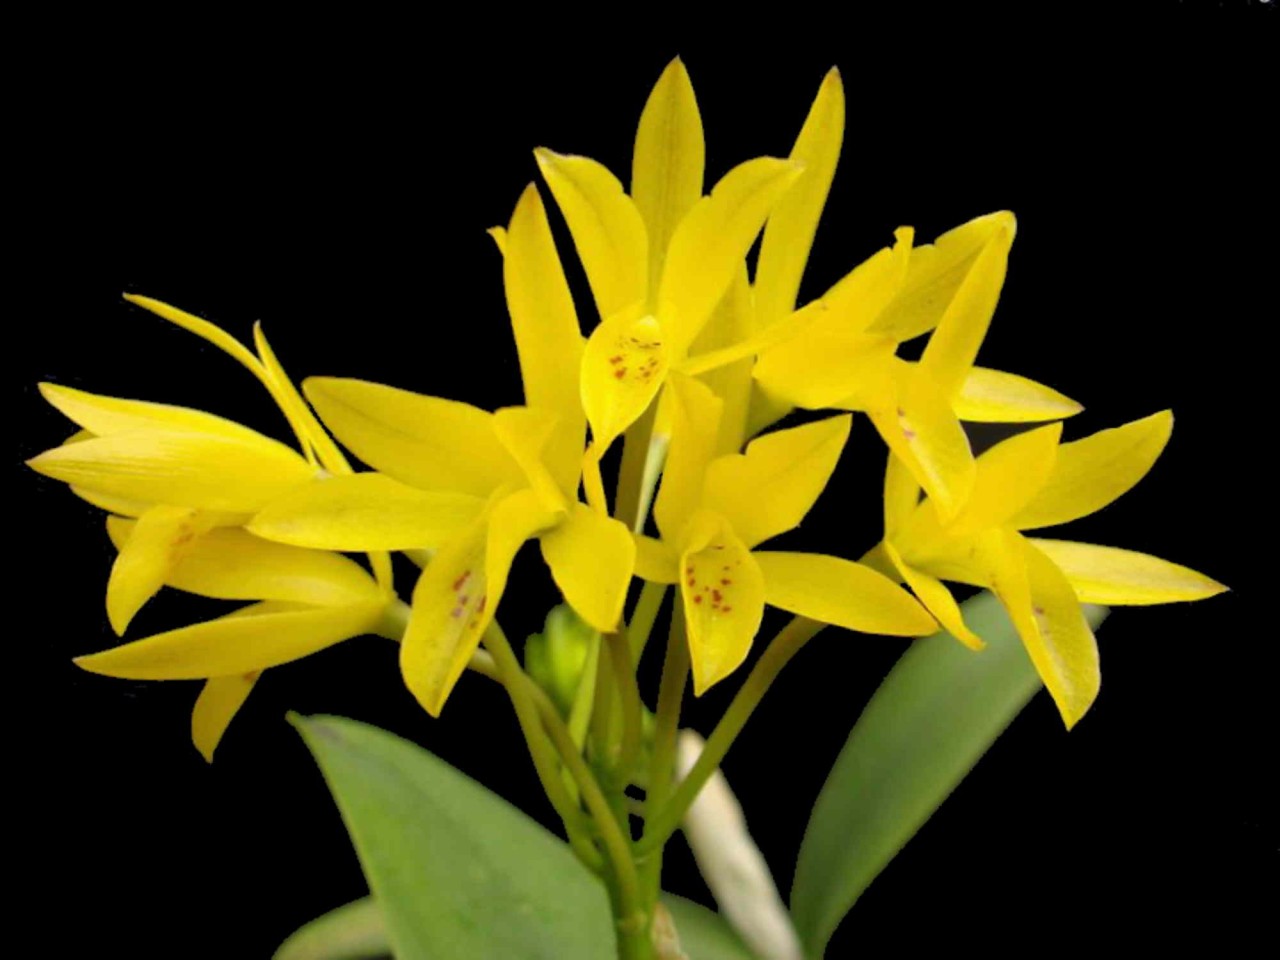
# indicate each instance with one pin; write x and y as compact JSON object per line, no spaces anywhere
{"x":339,"y":191}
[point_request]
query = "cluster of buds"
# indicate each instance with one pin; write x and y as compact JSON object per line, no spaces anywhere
{"x":693,"y":362}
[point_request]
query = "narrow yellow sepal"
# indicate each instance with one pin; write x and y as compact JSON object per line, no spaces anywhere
{"x":155,"y":543}
{"x":591,"y":557}
{"x":1115,"y":577}
{"x":768,"y":489}
{"x":992,"y":396}
{"x":937,"y":599}
{"x":1091,"y":473}
{"x":841,"y":592}
{"x":105,"y":416}
{"x":667,"y":164}
{"x":608,"y":231}
{"x":695,"y":425}
{"x":426,"y":442}
{"x":219,"y":701}
{"x":235,"y":644}
{"x":1007,"y":478}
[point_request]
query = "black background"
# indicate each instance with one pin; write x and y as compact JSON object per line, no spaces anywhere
{"x":339,"y":188}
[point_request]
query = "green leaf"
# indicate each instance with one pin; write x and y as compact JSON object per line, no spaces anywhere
{"x":354,"y":932}
{"x":704,"y":934}
{"x":936,"y":713}
{"x":457,"y":871}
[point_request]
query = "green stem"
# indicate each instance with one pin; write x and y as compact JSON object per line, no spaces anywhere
{"x":643,"y":616}
{"x":628,"y":698}
{"x":783,"y":647}
{"x":543,"y":753}
{"x":675,"y":676}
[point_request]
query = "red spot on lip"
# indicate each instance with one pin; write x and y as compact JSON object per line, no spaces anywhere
{"x":725,"y":583}
{"x":725,"y":609}
{"x":715,"y":595}
{"x":698,"y":598}
{"x":616,"y":360}
{"x":620,"y":373}
{"x":693,"y":582}
{"x":457,"y":584}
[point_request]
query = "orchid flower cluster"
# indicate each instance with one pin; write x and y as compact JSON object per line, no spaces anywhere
{"x":692,"y":364}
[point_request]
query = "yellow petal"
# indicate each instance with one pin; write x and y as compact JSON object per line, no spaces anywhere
{"x":769,"y":488}
{"x":901,"y":495}
{"x":591,"y":557}
{"x":458,"y":592}
{"x":935,"y":275}
{"x":230,"y":564}
{"x":607,"y":229}
{"x":623,"y":367}
{"x":827,"y":367}
{"x":656,"y":561}
{"x":723,"y":592}
{"x":924,"y":433}
{"x":1008,"y":477}
{"x":991,"y":396}
{"x":1047,"y":614}
{"x":200,"y":470}
{"x":365,"y":511}
{"x":154,"y":545}
{"x":1091,"y":473}
{"x":219,"y":701}
{"x":548,"y":338}
{"x":295,"y":408}
{"x":695,"y":413}
{"x":105,"y":416}
{"x":712,"y":240}
{"x":1117,"y":577}
{"x":732,"y":323}
{"x":789,"y":233}
{"x":423,"y":441}
{"x":841,"y":592}
{"x":666,"y":167}
{"x":526,"y":433}
{"x":121,"y":506}
{"x":499,"y":237}
{"x":951,"y":350}
{"x":937,"y":599}
{"x":235,"y":644}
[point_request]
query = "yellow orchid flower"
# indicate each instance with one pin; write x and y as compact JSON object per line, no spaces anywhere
{"x":306,"y":600}
{"x":713,"y":512}
{"x":1027,"y":482}
{"x":182,"y":472}
{"x":472,"y":485}
{"x":659,"y":260}
{"x":839,"y":350}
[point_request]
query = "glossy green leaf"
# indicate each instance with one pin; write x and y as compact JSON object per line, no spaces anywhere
{"x":352,"y":932}
{"x":457,"y":871}
{"x":704,"y":934}
{"x":936,"y":713}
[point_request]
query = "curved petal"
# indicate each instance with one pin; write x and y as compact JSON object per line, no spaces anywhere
{"x":841,"y":592}
{"x":203,"y":471}
{"x":655,"y":560}
{"x":937,"y":599}
{"x":219,"y":701}
{"x":295,"y":408}
{"x":934,"y":277}
{"x":1046,"y":612}
{"x":824,"y":367}
{"x":1091,"y":473}
{"x":526,"y":434}
{"x":992,"y":396}
{"x":950,"y":352}
{"x":591,"y":557}
{"x":1007,"y":478}
{"x":548,"y":338}
{"x":769,"y":488}
{"x":153,"y":545}
{"x":104,"y":416}
{"x":901,"y":495}
{"x":1115,"y":577}
{"x":229,"y":564}
{"x":723,"y":592}
{"x":695,"y":413}
{"x":923,"y":432}
{"x":667,"y":165}
{"x":623,"y":367}
{"x":235,"y":644}
{"x":458,"y":592}
{"x":712,"y":240}
{"x":423,"y":441}
{"x":788,"y":236}
{"x":607,"y":229}
{"x":365,"y":511}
